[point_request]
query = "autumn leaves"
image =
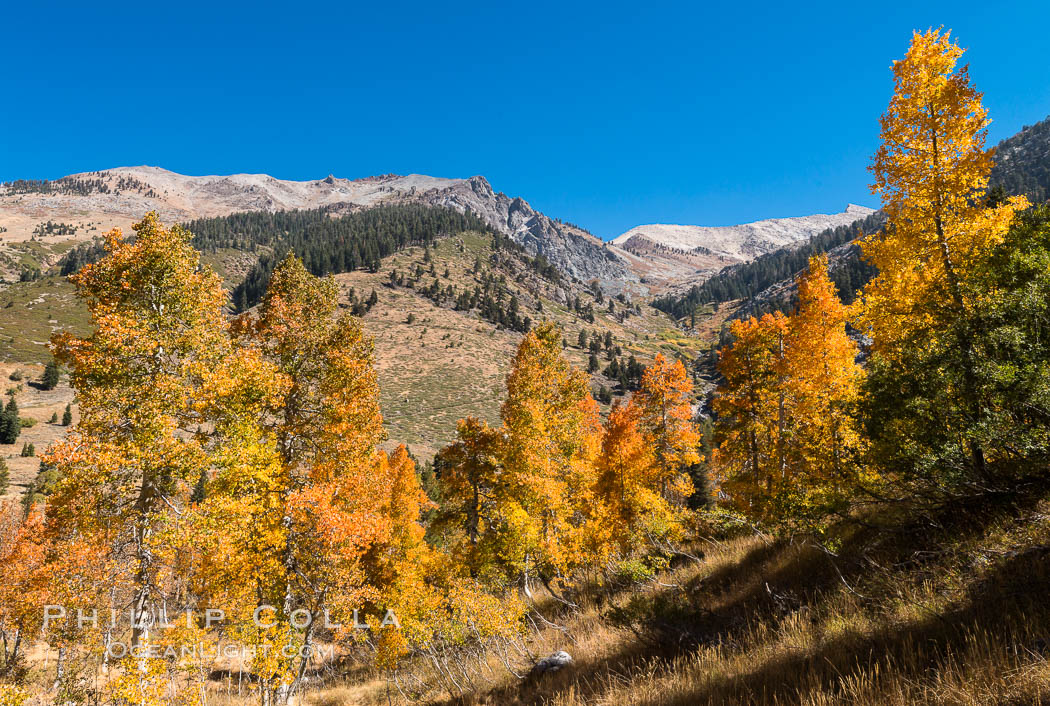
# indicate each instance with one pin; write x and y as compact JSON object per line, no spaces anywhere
{"x":224,"y":466}
{"x":786,"y":438}
{"x":234,"y":465}
{"x":802,"y":432}
{"x":552,"y":491}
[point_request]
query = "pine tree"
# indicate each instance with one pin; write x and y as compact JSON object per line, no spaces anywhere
{"x":10,"y":423}
{"x":67,"y":415}
{"x":51,"y":375}
{"x":469,"y":480}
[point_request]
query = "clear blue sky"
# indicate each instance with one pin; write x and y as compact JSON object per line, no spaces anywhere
{"x":605,"y":114}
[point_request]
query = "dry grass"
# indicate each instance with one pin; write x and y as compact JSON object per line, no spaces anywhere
{"x":902,"y":616}
{"x":893,"y":619}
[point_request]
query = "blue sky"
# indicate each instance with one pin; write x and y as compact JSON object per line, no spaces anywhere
{"x":607,"y":114}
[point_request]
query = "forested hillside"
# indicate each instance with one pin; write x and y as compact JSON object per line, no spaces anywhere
{"x":327,"y":242}
{"x":1022,"y":163}
{"x":446,"y":306}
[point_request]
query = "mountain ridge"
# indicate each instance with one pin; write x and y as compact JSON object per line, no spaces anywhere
{"x":674,"y":257}
{"x":120,"y":195}
{"x":726,"y":239}
{"x":642,"y":261}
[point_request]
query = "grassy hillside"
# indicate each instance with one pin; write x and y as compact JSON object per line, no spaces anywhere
{"x":38,"y":406}
{"x":938,"y":612}
{"x":438,"y":365}
{"x":444,"y":365}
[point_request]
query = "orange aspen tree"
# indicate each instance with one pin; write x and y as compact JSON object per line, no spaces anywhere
{"x":43,"y":570}
{"x":931,"y":173}
{"x":23,"y":590}
{"x":399,"y":567}
{"x":629,"y":480}
{"x":752,"y":410}
{"x":666,"y":421}
{"x":823,"y":378}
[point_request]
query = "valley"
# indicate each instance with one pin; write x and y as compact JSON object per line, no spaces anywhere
{"x":437,"y":363}
{"x":675,"y":544}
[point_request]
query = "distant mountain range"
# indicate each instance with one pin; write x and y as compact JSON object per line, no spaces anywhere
{"x":646,"y":258}
{"x":1022,"y":166}
{"x":679,"y":255}
{"x":1022,"y":162}
{"x":120,"y":196}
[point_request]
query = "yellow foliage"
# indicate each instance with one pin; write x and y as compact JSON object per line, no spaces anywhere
{"x":931,"y":172}
{"x":787,"y":439}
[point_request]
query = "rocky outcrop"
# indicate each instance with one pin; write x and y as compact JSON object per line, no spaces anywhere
{"x":575,"y":252}
{"x":554,"y":663}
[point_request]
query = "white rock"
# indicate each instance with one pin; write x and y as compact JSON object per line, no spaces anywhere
{"x":553,"y":663}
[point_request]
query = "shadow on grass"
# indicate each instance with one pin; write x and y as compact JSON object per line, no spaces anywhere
{"x":774,"y":583}
{"x":1008,"y":604}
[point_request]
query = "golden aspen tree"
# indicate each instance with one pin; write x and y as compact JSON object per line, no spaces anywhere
{"x":399,"y":567}
{"x":128,"y":464}
{"x":234,"y":540}
{"x":753,"y":411}
{"x":931,"y":173}
{"x":395,"y":564}
{"x":823,"y":378}
{"x":406,"y":503}
{"x":326,"y":425}
{"x":551,"y":437}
